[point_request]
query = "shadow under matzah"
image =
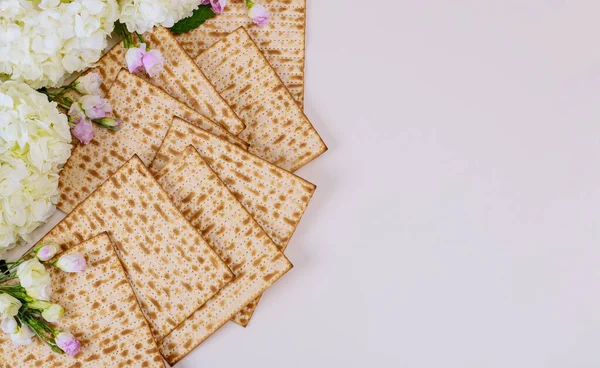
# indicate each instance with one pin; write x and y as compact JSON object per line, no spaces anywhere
{"x":147,"y":112}
{"x":232,"y":232}
{"x":173,"y":271}
{"x":282,"y":41}
{"x":276,"y":127}
{"x":100,"y":310}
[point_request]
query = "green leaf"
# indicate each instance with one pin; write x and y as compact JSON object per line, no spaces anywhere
{"x":200,"y":15}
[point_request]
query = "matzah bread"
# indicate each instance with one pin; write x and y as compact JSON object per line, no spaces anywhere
{"x":172,"y":270}
{"x":276,"y":127}
{"x":232,"y":232}
{"x":147,"y":112}
{"x":180,"y":78}
{"x":281,"y":41}
{"x":274,"y":197}
{"x":100,"y":310}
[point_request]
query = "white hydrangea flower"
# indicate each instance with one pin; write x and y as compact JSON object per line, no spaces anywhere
{"x":41,"y":43}
{"x":34,"y":145}
{"x":142,"y":15}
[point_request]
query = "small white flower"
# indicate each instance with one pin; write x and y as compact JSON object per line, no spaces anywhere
{"x":9,"y":325}
{"x":89,"y":84}
{"x":22,"y":336}
{"x":73,"y":262}
{"x":53,"y":313}
{"x":9,"y":306}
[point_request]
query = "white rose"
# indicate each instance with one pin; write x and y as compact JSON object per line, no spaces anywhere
{"x":9,"y":306}
{"x":22,"y":336}
{"x":41,"y":292}
{"x":53,"y":313}
{"x":32,"y":274}
{"x":89,"y":84}
{"x":9,"y":325}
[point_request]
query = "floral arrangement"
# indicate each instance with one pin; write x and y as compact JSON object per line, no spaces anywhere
{"x":34,"y":145}
{"x":90,"y":108}
{"x":43,"y":42}
{"x":25,"y":309}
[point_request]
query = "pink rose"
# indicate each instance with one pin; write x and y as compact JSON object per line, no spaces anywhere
{"x":83,"y":130}
{"x":95,"y":107}
{"x":46,"y":251}
{"x":259,"y":14}
{"x":68,"y":343}
{"x":218,"y":6}
{"x":153,"y":63}
{"x":140,"y":58}
{"x":134,"y":57}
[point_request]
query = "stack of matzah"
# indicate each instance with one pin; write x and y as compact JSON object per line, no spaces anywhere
{"x":195,"y":195}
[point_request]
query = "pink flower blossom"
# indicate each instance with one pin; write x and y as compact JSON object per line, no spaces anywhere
{"x":68,"y":343}
{"x":218,"y":6}
{"x":153,"y":63}
{"x":83,"y":130}
{"x":95,"y":107}
{"x":139,"y":59}
{"x":73,"y":262}
{"x":76,"y":113}
{"x":134,"y":57}
{"x":258,"y":13}
{"x":47,"y":251}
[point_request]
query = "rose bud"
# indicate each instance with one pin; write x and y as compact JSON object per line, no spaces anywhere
{"x":46,"y":251}
{"x":68,"y":343}
{"x":73,"y":262}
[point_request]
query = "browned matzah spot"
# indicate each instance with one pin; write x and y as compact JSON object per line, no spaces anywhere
{"x":100,"y":310}
{"x":281,"y":41}
{"x":147,"y":112}
{"x":276,"y":128}
{"x":180,"y":78}
{"x":172,"y":270}
{"x":232,"y":232}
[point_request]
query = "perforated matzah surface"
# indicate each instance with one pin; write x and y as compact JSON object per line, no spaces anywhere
{"x":281,"y":41}
{"x":100,"y":310}
{"x":147,"y":112}
{"x":172,"y":269}
{"x":276,"y":127}
{"x":232,"y":232}
{"x":180,"y":78}
{"x":274,"y":197}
